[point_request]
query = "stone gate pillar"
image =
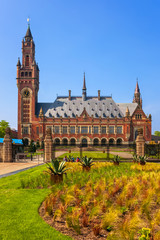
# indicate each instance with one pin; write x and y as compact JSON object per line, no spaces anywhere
{"x":48,"y":146}
{"x":140,"y":141}
{"x":7,"y":147}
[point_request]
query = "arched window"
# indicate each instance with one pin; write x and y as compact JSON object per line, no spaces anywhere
{"x":103,"y":142}
{"x":96,"y":142}
{"x":119,"y":141}
{"x":57,"y":141}
{"x":84,"y":142}
{"x":111,"y":141}
{"x":73,"y":141}
{"x":22,"y":74}
{"x":65,"y":141}
{"x":27,"y":60}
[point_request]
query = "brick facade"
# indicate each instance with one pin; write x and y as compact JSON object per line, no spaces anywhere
{"x":33,"y":125}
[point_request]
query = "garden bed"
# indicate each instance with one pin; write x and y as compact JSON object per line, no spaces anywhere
{"x":115,"y":201}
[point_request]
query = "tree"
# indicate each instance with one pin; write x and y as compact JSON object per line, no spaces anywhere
{"x":32,"y":147}
{"x":157,"y":133}
{"x":37,"y":144}
{"x":3,"y":126}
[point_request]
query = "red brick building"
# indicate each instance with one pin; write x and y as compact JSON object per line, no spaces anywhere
{"x":74,"y":119}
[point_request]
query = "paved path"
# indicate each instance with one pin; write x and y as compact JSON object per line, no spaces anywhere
{"x":11,"y":168}
{"x":59,"y":153}
{"x":7,"y":169}
{"x":122,"y":154}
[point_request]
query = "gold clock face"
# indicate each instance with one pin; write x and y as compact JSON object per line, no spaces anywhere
{"x":26,"y":93}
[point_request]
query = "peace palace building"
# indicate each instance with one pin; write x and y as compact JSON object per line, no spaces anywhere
{"x":73,"y":120}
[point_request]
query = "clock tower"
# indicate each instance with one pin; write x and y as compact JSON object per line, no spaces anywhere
{"x":28,"y":86}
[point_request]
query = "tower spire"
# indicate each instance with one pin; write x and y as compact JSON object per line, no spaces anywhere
{"x":84,"y":82}
{"x":84,"y":88}
{"x":137,"y":99}
{"x":137,"y":87}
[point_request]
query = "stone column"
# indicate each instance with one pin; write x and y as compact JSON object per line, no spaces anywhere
{"x":7,"y":147}
{"x":48,"y":146}
{"x":140,"y":141}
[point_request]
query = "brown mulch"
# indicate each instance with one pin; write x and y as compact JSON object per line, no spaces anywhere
{"x":61,"y":226}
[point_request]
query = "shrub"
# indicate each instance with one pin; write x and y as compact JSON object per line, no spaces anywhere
{"x":116,"y":160}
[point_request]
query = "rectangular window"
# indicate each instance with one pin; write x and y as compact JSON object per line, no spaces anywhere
{"x":84,"y":129}
{"x":56,"y":129}
{"x":25,"y":130}
{"x":37,"y":129}
{"x":64,"y":130}
{"x":95,"y":130}
{"x":103,"y":130}
{"x":72,"y":129}
{"x":89,"y":129}
{"x":49,"y":127}
{"x":119,"y":130}
{"x":111,"y":129}
{"x":78,"y":129}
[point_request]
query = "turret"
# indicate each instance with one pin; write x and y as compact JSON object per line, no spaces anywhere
{"x":18,"y":68}
{"x":127,"y":112}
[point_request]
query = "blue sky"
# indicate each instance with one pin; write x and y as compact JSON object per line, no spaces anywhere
{"x":113,"y":41}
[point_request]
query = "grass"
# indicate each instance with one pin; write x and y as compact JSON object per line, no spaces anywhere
{"x":34,"y":154}
{"x":95,"y":155}
{"x":19,"y":218}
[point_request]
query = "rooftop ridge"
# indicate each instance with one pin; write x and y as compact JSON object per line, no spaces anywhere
{"x":86,"y":97}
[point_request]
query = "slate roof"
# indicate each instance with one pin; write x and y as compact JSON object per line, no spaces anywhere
{"x":131,"y":107}
{"x":64,"y":107}
{"x":28,"y":33}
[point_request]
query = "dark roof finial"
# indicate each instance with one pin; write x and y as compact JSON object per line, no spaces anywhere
{"x":84,"y":82}
{"x":18,"y":63}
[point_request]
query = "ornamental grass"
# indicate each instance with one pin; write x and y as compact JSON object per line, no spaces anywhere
{"x":118,"y":202}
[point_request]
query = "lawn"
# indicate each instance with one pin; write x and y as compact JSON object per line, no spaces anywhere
{"x":19,"y":218}
{"x":93,"y":154}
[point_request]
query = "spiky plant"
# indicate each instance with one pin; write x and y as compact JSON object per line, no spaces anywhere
{"x":116,"y":160}
{"x":57,"y":170}
{"x":57,"y":167}
{"x":86,"y":162}
{"x":142,"y":160}
{"x":135,"y":158}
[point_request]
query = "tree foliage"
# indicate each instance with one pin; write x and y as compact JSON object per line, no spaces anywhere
{"x":3,"y":126}
{"x":32,"y":147}
{"x":157,"y":133}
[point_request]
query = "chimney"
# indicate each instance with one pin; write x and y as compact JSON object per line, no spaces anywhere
{"x":99,"y":97}
{"x":69,"y":95}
